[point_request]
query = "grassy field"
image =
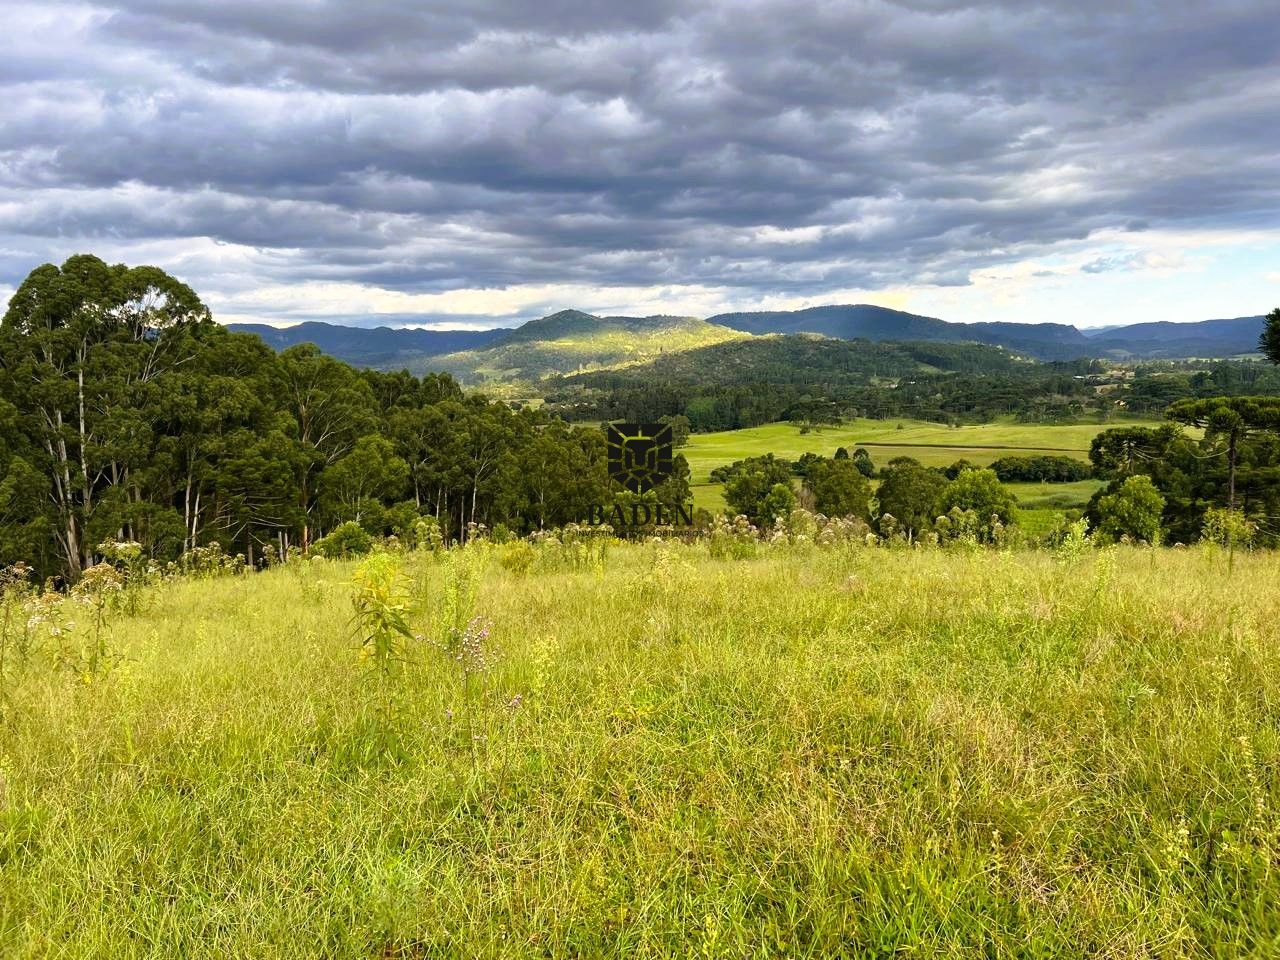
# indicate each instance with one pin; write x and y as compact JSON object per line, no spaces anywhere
{"x":1057,"y":496}
{"x":930,"y":443}
{"x":809,"y":753}
{"x":1052,"y":497}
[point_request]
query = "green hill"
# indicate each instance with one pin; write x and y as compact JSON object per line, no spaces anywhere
{"x":572,"y":341}
{"x":805,"y":359}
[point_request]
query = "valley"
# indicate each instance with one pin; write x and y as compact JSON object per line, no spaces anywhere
{"x":572,"y":341}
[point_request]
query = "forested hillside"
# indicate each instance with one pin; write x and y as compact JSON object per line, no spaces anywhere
{"x":571,"y":340}
{"x":809,"y":378}
{"x":1045,"y":341}
{"x":810,"y":359}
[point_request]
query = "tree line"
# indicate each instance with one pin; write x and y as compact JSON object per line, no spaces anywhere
{"x":127,"y":413}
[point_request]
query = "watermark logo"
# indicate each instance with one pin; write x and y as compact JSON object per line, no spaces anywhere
{"x":640,"y":454}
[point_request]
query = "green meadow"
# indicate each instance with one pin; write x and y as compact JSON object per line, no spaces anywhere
{"x":1055,"y":496}
{"x":654,"y":752}
{"x":932,"y":444}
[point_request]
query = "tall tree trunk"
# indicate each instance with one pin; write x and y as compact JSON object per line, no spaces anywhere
{"x":306,"y":514}
{"x":66,"y":499}
{"x":87,"y":482}
{"x":1231,"y":470}
{"x":186,"y":514}
{"x":475,"y":489}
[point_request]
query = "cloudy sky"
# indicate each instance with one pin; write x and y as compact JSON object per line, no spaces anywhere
{"x":474,"y":162}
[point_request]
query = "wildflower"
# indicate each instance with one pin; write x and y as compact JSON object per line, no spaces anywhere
{"x":471,"y":653}
{"x":96,"y":583}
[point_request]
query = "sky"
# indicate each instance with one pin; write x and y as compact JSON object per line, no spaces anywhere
{"x":476,"y":163}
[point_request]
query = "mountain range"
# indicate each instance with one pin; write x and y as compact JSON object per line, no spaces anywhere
{"x":572,"y":341}
{"x":381,"y":347}
{"x":1044,"y":341}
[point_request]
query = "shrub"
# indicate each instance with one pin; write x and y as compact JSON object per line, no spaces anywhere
{"x":771,"y":466}
{"x":402,"y":520}
{"x":427,"y":535}
{"x":734,"y":540}
{"x":15,"y":591}
{"x":209,"y":561}
{"x":1073,"y":541}
{"x":1133,"y":511}
{"x":1055,"y":469}
{"x":778,"y":503}
{"x":347,"y":540}
{"x":381,"y":604}
{"x":517,"y":556}
{"x":753,"y":482}
{"x":862,"y":460}
{"x":979,"y":492}
{"x":1228,"y":528}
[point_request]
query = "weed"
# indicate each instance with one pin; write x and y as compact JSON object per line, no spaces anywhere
{"x":96,"y":589}
{"x":382,"y":610}
{"x":15,"y":587}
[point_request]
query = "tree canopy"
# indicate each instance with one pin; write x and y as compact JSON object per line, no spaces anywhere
{"x":127,"y":413}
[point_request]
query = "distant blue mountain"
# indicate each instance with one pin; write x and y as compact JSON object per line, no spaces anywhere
{"x":418,"y":350}
{"x":1046,"y":341}
{"x":1205,"y":338}
{"x":383,"y":347}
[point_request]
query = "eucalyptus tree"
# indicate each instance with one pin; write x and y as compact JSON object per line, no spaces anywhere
{"x":356,"y":486}
{"x":91,"y":348}
{"x":485,"y":435}
{"x":425,"y":440}
{"x":332,"y":407}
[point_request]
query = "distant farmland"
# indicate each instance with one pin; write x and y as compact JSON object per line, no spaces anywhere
{"x":932,"y":444}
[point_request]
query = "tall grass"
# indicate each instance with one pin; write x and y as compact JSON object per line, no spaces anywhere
{"x":812,"y":753}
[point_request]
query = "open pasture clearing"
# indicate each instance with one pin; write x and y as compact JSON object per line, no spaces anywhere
{"x":932,"y":444}
{"x":1056,"y":496}
{"x":808,"y":753}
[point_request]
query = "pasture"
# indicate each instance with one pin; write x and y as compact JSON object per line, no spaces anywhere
{"x":802,"y":752}
{"x":932,"y":444}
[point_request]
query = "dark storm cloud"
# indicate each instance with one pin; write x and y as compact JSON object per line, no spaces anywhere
{"x":767,"y":146}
